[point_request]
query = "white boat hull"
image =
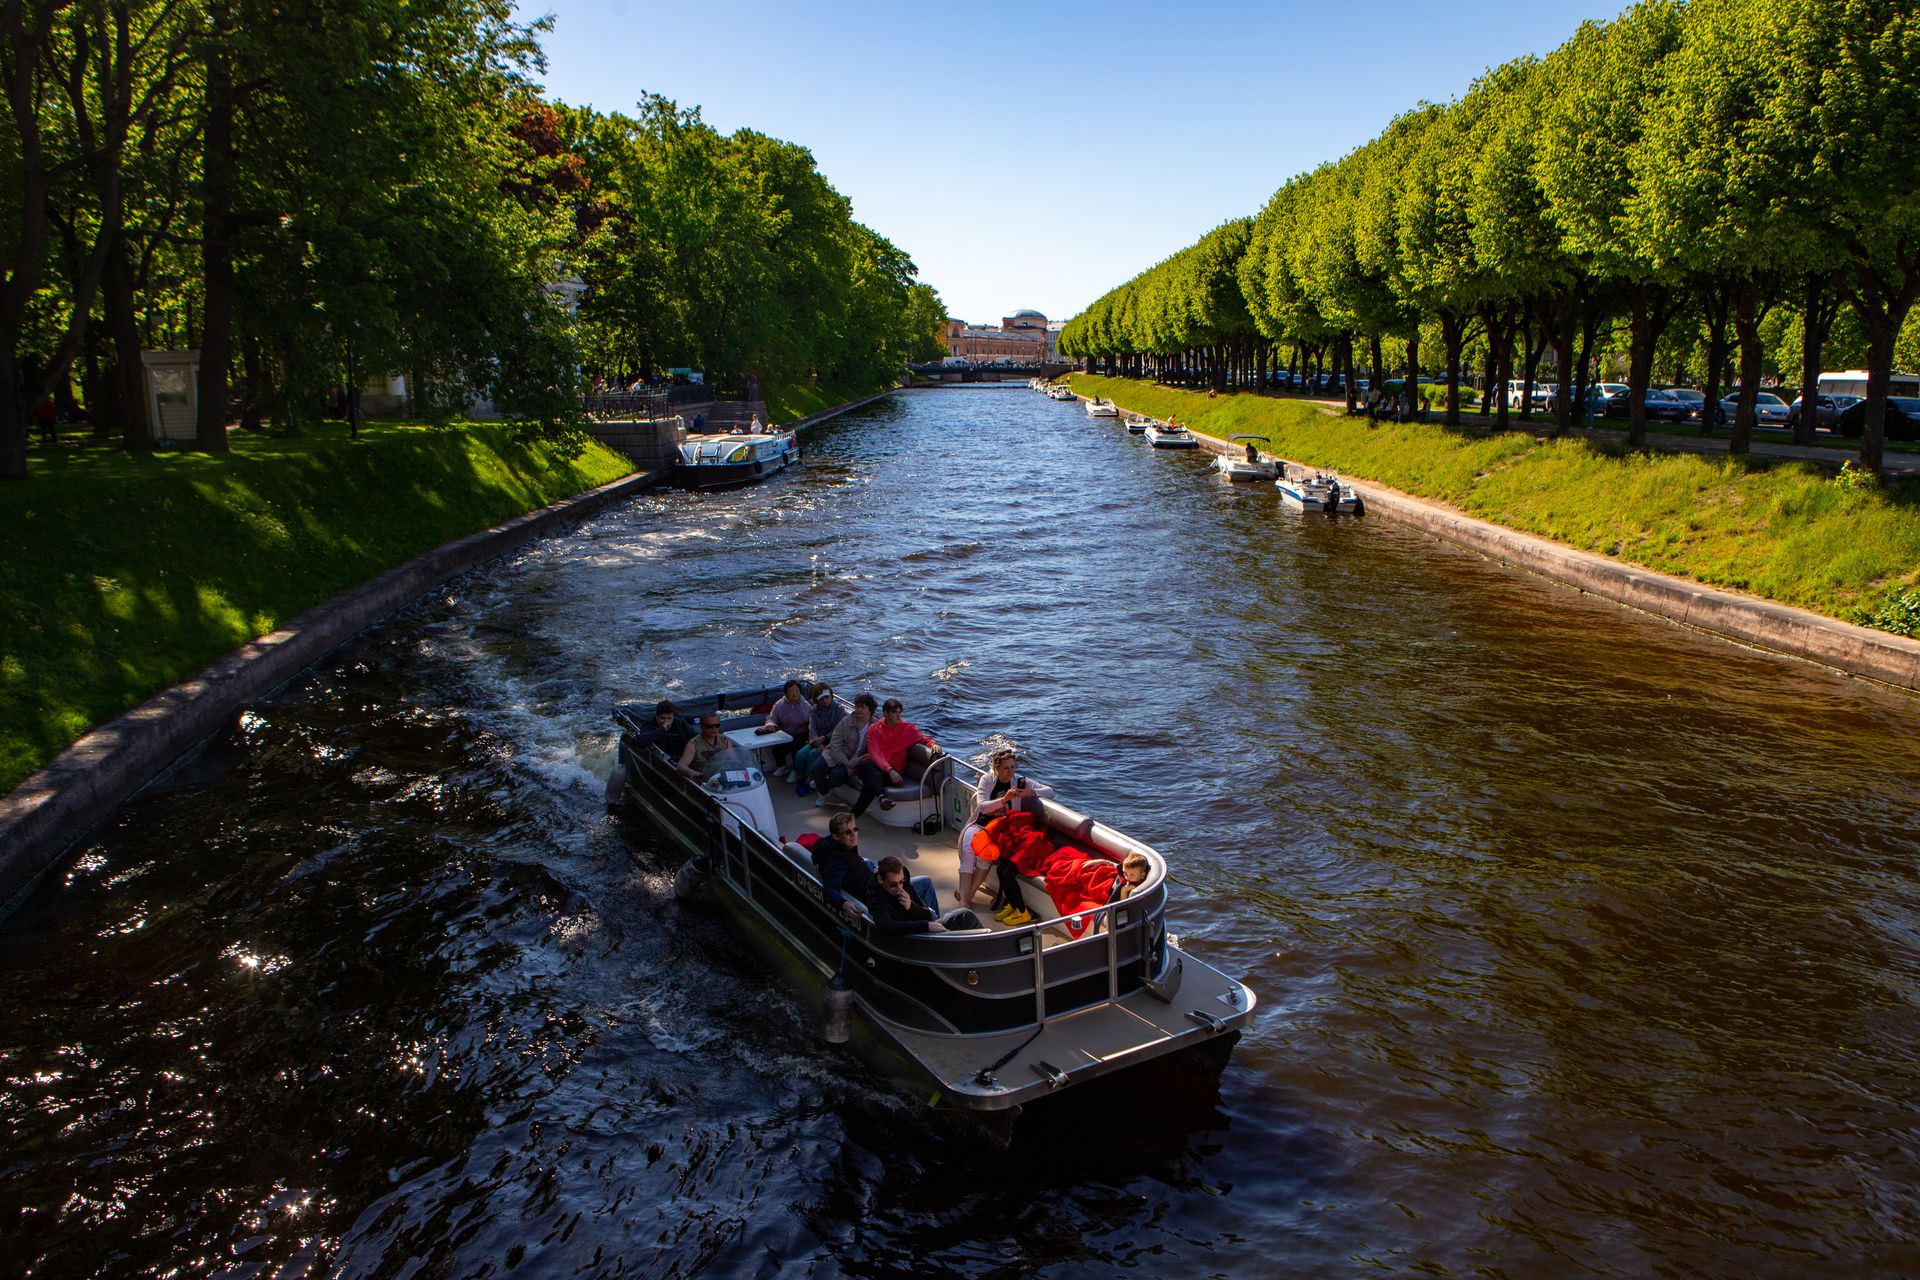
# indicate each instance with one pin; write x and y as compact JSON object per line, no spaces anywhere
{"x":1240,"y":469}
{"x":1161,"y":438}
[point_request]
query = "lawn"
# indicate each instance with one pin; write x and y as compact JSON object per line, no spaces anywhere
{"x":1786,"y":530}
{"x":787,"y":403}
{"x":125,"y":574}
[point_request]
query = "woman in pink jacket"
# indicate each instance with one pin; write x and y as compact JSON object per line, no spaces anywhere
{"x":887,"y":745}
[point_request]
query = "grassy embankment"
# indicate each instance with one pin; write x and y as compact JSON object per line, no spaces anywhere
{"x":785,"y":404}
{"x":123,"y":574}
{"x":1788,"y":531}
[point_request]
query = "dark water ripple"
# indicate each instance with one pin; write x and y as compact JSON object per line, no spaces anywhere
{"x":1586,"y":946}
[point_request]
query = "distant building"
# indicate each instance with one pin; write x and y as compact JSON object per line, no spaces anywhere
{"x":1021,"y":336}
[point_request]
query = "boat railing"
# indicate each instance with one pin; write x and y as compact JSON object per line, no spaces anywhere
{"x":1122,"y":932}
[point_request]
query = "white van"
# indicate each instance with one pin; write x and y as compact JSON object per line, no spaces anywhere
{"x":1542,"y":395}
{"x":1853,"y":382}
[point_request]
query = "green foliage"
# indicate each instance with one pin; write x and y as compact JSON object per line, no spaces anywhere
{"x":103,"y":611}
{"x":1898,"y":612}
{"x":1685,"y":160}
{"x":732,"y":254}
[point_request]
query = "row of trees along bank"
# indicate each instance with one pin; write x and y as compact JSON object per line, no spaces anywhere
{"x":1692,"y":177}
{"x":310,"y":193}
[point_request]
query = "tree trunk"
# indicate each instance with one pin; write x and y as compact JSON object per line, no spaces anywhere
{"x":123,"y":326}
{"x":216,"y":251}
{"x":1818,"y":306}
{"x":1717,"y":309}
{"x":1747,"y":311}
{"x":1414,"y":405}
{"x":1452,"y":335}
{"x":1649,"y":308}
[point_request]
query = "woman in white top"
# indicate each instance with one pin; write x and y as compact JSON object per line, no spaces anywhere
{"x":1000,"y":791}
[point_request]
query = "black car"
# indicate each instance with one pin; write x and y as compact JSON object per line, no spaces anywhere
{"x":1662,"y":406}
{"x":1903,"y":418}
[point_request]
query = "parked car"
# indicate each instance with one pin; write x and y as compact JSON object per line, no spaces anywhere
{"x":1694,"y":402}
{"x":1663,"y":406}
{"x":1769,"y":410}
{"x":1903,"y":418}
{"x":1542,"y":394}
{"x":1825,"y":409}
{"x":1602,"y":397}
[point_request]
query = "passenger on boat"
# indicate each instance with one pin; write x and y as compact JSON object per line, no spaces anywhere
{"x":887,"y":745}
{"x":709,"y":753}
{"x":898,"y":906}
{"x":1253,"y":454}
{"x":1000,"y":790}
{"x":671,"y":731}
{"x":1134,"y":870}
{"x":846,"y":749}
{"x":790,"y":716}
{"x":826,"y":713}
{"x":844,"y":875}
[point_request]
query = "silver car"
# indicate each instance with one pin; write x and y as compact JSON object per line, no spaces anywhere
{"x":1769,"y":410}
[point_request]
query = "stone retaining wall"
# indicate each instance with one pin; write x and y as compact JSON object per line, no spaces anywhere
{"x":1778,"y":628}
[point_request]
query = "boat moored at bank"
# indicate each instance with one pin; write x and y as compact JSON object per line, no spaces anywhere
{"x":1248,"y":465}
{"x":1098,"y":408}
{"x":1169,"y":435}
{"x":714,"y":460}
{"x":989,"y":1018}
{"x":1316,"y":491}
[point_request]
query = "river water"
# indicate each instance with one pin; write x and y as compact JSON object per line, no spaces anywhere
{"x":1585,"y":946}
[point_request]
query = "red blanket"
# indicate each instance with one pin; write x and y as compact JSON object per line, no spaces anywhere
{"x":1077,"y":879}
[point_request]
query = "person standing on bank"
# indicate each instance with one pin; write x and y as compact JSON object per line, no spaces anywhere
{"x":887,"y":745}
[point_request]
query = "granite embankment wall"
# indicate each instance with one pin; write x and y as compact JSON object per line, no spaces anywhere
{"x":79,"y":788}
{"x":1761,"y":624}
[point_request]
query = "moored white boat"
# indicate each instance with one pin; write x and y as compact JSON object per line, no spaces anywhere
{"x":714,"y":460}
{"x":1060,"y":393}
{"x":1098,"y":408}
{"x":1318,"y":491}
{"x":1247,"y":466}
{"x":1136,"y":424}
{"x":991,"y":1018}
{"x":1169,"y":435}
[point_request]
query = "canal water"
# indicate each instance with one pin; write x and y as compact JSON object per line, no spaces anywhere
{"x":1585,"y":946}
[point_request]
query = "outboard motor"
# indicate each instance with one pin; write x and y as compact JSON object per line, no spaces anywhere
{"x":617,"y":787}
{"x":690,"y":882}
{"x":837,"y":1011}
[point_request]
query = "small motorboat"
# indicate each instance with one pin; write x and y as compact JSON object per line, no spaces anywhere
{"x":1248,"y":466}
{"x":1170,"y":435}
{"x":981,"y":1019}
{"x":1136,"y":424}
{"x":1060,"y":393}
{"x":716,"y":460}
{"x":1319,"y":491}
{"x":1098,"y":408}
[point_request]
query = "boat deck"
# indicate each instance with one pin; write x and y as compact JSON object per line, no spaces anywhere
{"x":936,"y":856}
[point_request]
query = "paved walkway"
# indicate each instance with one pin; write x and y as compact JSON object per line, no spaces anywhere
{"x":1896,"y":463}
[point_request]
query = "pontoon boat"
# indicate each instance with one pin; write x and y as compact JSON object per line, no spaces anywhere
{"x":988,"y":1020}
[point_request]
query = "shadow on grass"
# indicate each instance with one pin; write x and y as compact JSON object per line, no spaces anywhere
{"x":127,"y":573}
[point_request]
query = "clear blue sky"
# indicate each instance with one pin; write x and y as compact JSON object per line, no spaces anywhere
{"x":1036,"y":155}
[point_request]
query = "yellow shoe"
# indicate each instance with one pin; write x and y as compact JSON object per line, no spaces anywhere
{"x":1005,"y":910}
{"x":1017,"y":918}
